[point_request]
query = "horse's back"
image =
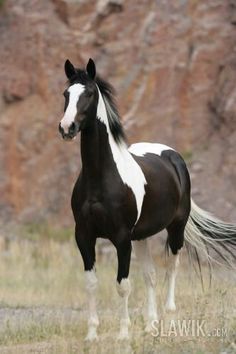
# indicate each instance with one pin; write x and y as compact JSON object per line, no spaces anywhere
{"x":163,"y":153}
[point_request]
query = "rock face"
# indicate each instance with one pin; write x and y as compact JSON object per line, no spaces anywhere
{"x":174,"y":68}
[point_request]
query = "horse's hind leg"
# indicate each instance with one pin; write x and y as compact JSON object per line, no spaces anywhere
{"x":175,"y":242}
{"x":121,"y":241}
{"x":172,"y":272}
{"x":144,"y":257}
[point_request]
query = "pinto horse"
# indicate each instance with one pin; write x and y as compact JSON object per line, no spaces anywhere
{"x":129,"y":194}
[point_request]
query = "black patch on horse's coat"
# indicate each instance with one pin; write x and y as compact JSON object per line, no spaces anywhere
{"x":175,"y":230}
{"x":163,"y":194}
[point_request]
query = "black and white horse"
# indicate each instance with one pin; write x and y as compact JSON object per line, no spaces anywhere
{"x":129,"y":194}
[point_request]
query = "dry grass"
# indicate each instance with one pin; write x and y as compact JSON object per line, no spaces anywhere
{"x":43,"y":304}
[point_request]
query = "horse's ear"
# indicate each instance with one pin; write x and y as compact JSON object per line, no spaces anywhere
{"x":69,"y":69}
{"x":91,"y":69}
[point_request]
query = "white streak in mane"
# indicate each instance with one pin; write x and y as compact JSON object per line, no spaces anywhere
{"x":110,"y":111}
{"x":128,"y":169}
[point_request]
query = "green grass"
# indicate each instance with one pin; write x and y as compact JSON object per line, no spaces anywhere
{"x":45,"y":277}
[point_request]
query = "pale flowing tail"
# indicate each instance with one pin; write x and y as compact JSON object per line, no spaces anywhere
{"x":208,"y":236}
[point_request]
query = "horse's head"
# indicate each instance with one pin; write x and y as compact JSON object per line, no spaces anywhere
{"x":81,"y":99}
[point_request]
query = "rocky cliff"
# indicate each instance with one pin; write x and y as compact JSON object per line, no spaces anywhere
{"x":173,"y":64}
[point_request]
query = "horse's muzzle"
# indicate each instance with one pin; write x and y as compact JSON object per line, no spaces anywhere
{"x":72,"y":131}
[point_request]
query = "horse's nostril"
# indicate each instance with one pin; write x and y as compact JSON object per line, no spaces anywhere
{"x":61,"y":130}
{"x":72,"y":128}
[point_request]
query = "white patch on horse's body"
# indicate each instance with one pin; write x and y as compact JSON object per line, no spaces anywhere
{"x":91,"y":286}
{"x":128,"y":169}
{"x":69,"y":116}
{"x":140,"y":149}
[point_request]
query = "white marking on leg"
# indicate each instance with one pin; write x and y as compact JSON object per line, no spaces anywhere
{"x":140,"y":149}
{"x":91,"y":287}
{"x":143,"y":255}
{"x":123,"y":289}
{"x":69,"y":116}
{"x":128,"y":169}
{"x":172,"y":272}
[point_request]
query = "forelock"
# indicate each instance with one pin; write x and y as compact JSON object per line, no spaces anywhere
{"x":80,"y":77}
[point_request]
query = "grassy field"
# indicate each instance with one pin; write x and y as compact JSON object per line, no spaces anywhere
{"x":43,"y":304}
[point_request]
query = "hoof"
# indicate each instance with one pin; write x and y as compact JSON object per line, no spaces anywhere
{"x":170,"y":306}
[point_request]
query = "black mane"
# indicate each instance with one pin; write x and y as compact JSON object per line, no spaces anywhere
{"x":108,"y":94}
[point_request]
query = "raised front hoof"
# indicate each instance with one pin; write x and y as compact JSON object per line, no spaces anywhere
{"x":170,"y":307}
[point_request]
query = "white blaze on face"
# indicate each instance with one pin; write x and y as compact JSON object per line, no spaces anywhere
{"x":74,"y":92}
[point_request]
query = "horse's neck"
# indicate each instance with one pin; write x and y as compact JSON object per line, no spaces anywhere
{"x":90,"y":154}
{"x":99,"y":153}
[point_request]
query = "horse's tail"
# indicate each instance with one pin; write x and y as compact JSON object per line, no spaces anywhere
{"x":206,"y":235}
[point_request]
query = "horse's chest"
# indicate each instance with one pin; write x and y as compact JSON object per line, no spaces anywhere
{"x":98,"y":217}
{"x":106,"y":216}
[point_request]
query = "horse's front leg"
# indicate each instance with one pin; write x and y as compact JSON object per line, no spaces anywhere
{"x":86,"y":244}
{"x":123,"y":247}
